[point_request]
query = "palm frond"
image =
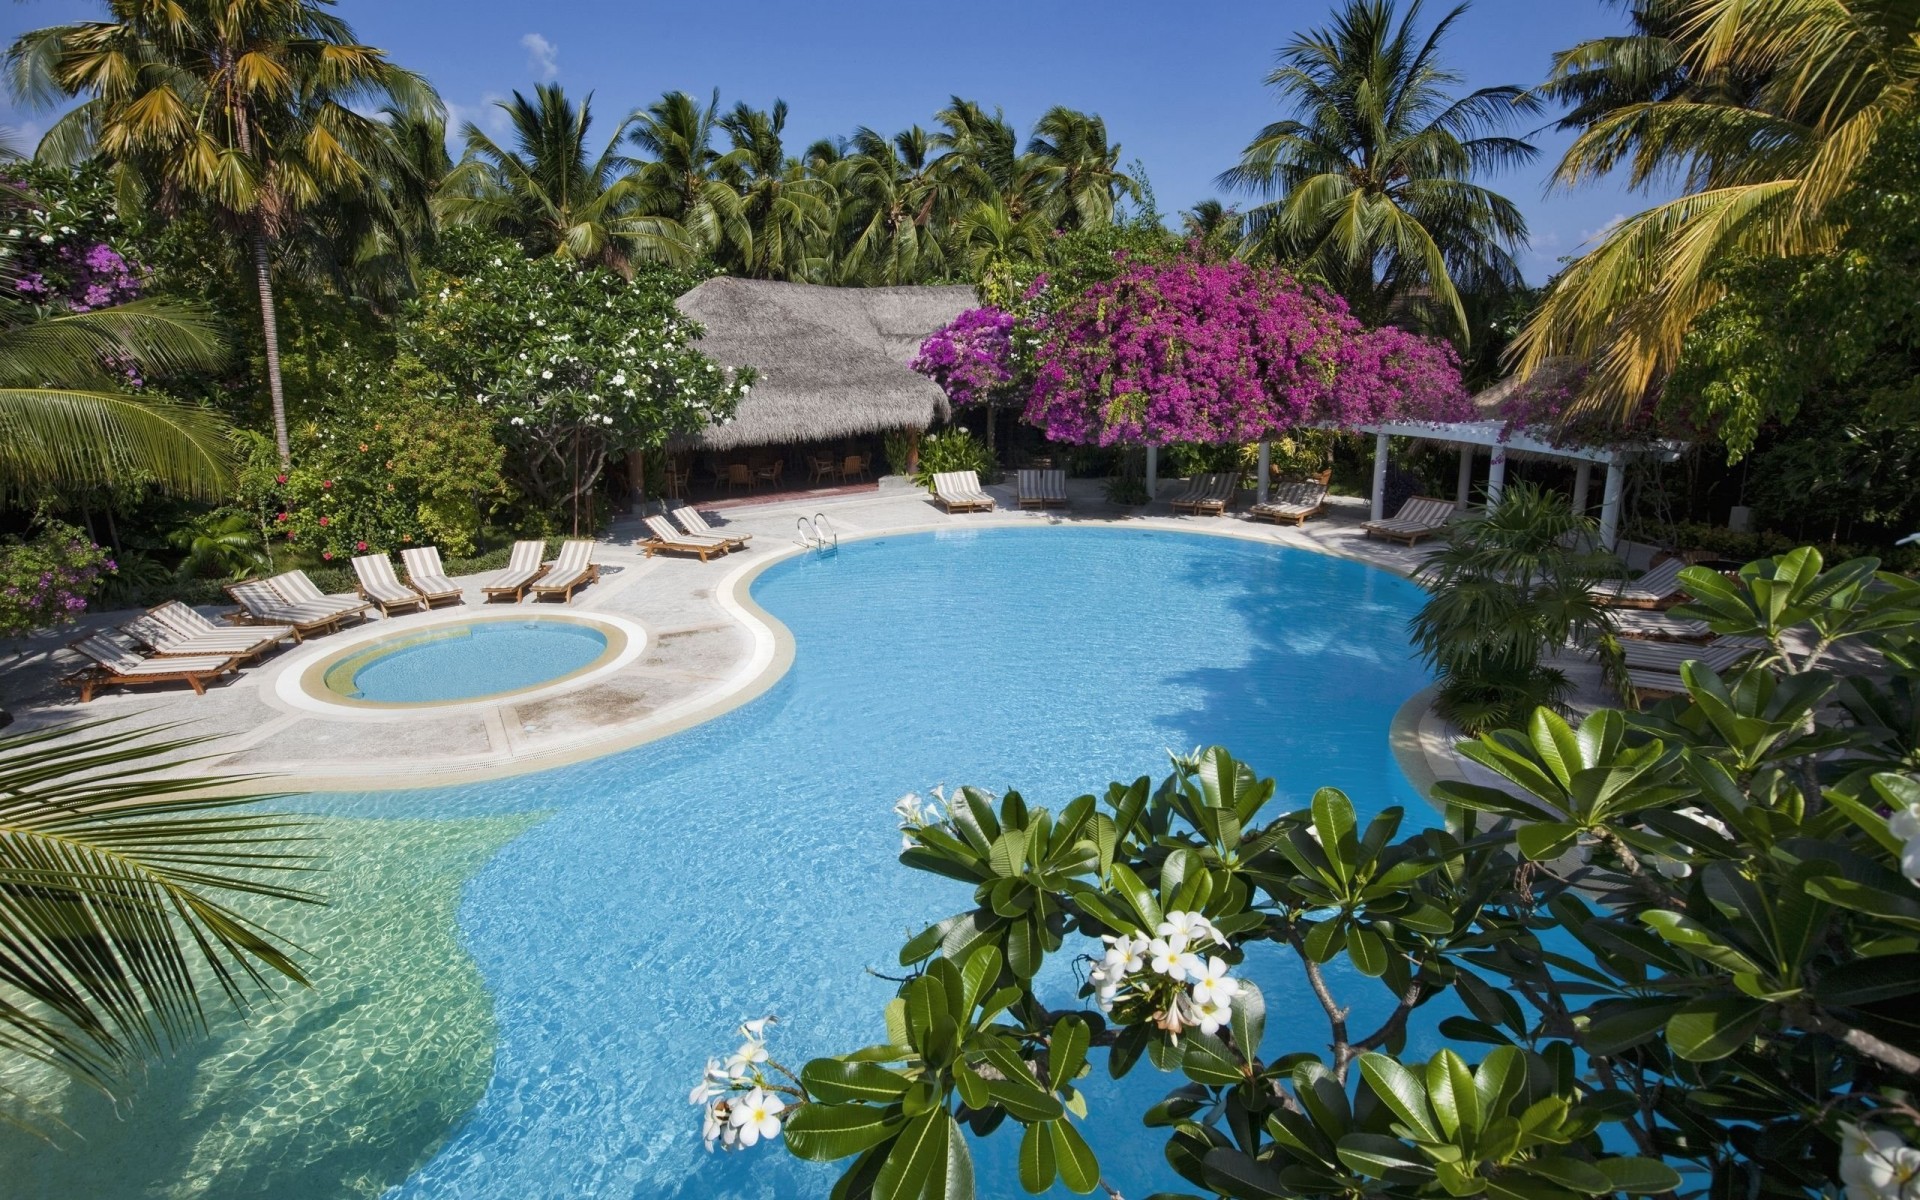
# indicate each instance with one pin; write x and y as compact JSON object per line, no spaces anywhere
{"x":52,"y":438}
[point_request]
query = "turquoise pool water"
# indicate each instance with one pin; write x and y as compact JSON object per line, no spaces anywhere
{"x":748,"y":865}
{"x":466,"y":662}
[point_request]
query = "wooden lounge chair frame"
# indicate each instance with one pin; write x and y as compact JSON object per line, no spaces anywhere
{"x":691,"y":522}
{"x":518,"y":576}
{"x":431,"y":579}
{"x":375,"y":562}
{"x":1293,"y":502}
{"x":194,"y":672}
{"x":1042,"y":487}
{"x":169,"y":638}
{"x":1434,"y":513}
{"x":272,"y":608}
{"x":668,"y":539}
{"x":1208,"y":495}
{"x":558,"y":581}
{"x":295,"y":588}
{"x":959,"y":491}
{"x":1658,"y":587}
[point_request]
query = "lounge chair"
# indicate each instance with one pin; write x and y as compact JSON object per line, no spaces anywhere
{"x":666,"y":537}
{"x":296,"y":588}
{"x":574,"y":568}
{"x":1208,"y":494}
{"x":1043,"y":487}
{"x":959,"y":491}
{"x":1721,"y":655}
{"x":1422,"y":516}
{"x":523,"y":567}
{"x":1643,"y":684}
{"x":260,"y":604}
{"x":689,"y":519}
{"x":1293,"y":502}
{"x":174,"y":630}
{"x":382,"y":587}
{"x":1653,"y":626}
{"x":426,"y":576}
{"x":116,"y":663}
{"x":1659,"y":587}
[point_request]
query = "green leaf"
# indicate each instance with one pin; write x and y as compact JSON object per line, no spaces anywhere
{"x":1067,"y":1050}
{"x":1368,"y":951}
{"x":1706,"y":1030}
{"x":1036,"y":1158}
{"x":1401,"y":1092}
{"x":1023,"y":1101}
{"x":1582,"y":1177}
{"x":1078,"y":1168}
{"x":1867,"y":980}
{"x":1639,"y":1176}
{"x":1334,"y":820}
{"x":1546,"y":840}
{"x":917,"y":1164}
{"x":1249,"y":1020}
{"x":1676,"y":929}
{"x":1207,"y":1060}
{"x":1375,"y":1154}
{"x":824,"y":1132}
{"x":981,"y":970}
{"x":1451,"y":1094}
{"x":837,"y":1082}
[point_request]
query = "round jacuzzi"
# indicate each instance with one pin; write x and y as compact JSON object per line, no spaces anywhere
{"x":467,"y":660}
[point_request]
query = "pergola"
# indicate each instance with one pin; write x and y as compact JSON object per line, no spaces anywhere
{"x":1469,"y":436}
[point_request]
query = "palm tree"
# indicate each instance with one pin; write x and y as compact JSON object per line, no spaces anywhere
{"x":1765,"y":113}
{"x":684,"y":181}
{"x":552,"y":193}
{"x":786,"y":210}
{"x":67,"y":416}
{"x":1371,"y":184}
{"x":1214,"y":227}
{"x":1077,"y":168}
{"x":989,"y":238}
{"x":893,"y":204}
{"x":251,"y":107}
{"x":982,"y":159}
{"x":114,"y":878}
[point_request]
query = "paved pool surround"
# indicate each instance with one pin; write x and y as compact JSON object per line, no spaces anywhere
{"x":697,"y":646}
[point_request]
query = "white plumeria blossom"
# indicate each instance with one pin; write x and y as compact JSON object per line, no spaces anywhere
{"x":1125,"y":955}
{"x":1210,"y":1015}
{"x":1904,"y":823}
{"x":756,"y":1029}
{"x":757,"y":1116}
{"x":751,"y":1054}
{"x":1169,"y":954}
{"x":1212,"y":985}
{"x":1876,"y":1164}
{"x":1190,"y":925}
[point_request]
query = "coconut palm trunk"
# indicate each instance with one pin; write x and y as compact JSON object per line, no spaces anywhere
{"x":270,"y":328}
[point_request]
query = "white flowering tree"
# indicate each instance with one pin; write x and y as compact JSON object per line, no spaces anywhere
{"x":576,"y":363}
{"x":1682,"y":948}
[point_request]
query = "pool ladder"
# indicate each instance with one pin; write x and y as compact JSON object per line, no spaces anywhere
{"x":817,"y":533}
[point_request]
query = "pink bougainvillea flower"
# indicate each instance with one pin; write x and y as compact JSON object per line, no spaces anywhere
{"x":325,"y":521}
{"x":279,"y":478}
{"x":359,"y":545}
{"x":327,"y":554}
{"x":281,"y":517}
{"x":326,"y":483}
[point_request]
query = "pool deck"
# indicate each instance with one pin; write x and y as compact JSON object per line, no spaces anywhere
{"x":708,"y":649}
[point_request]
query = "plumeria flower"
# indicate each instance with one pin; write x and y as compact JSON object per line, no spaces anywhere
{"x":1169,"y":956}
{"x":1210,"y":982}
{"x":756,"y":1029}
{"x":757,"y":1116}
{"x":1210,"y":1015}
{"x":1189,"y":925}
{"x":750,"y":1055}
{"x":1876,"y":1164}
{"x":1125,"y":955}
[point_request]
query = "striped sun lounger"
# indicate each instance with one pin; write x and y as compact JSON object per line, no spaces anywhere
{"x":1293,"y":502}
{"x":523,"y":567}
{"x":174,"y":629}
{"x":666,"y":538}
{"x":1658,"y":626}
{"x":261,"y":603}
{"x":959,"y":491}
{"x":574,"y":568}
{"x":1209,"y":494}
{"x":688,"y":518}
{"x":113,"y":662}
{"x":382,"y":587}
{"x":1422,"y":516}
{"x":1043,"y":487}
{"x":296,"y":588}
{"x":1721,"y":656}
{"x":1659,"y":587}
{"x":426,"y":576}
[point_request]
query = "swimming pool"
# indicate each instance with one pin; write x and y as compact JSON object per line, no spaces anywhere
{"x":644,"y":903}
{"x":470,"y":660}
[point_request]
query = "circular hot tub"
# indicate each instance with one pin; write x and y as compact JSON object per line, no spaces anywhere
{"x":471,"y":659}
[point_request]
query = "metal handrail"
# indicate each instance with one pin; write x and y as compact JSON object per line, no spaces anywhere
{"x":820,"y":522}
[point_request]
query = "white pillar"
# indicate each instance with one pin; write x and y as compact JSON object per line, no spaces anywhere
{"x":1266,"y":464}
{"x":1153,"y":470}
{"x":1610,"y":505}
{"x":1379,"y":476}
{"x":1582,"y":482}
{"x":1463,"y":494}
{"x":1497,"y":476}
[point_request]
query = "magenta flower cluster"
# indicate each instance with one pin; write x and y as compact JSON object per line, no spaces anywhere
{"x":81,"y":281}
{"x":971,"y":357}
{"x":1189,"y":351}
{"x":47,"y":581}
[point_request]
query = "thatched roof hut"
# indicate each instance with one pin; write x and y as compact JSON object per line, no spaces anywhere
{"x":832,"y":361}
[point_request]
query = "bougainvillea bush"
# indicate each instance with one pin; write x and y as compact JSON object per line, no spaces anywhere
{"x":64,"y":241}
{"x":573,"y":363}
{"x":971,"y":357}
{"x":47,"y":579}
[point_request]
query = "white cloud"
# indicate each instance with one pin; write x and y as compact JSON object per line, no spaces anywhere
{"x":1594,"y":235}
{"x":543,"y":57}
{"x":493,"y":118}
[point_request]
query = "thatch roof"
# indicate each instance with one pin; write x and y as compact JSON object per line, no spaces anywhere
{"x":832,"y":362}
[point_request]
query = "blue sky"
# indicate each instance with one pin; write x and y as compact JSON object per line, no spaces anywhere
{"x":1179,"y":84}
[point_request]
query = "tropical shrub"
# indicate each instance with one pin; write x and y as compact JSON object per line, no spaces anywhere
{"x":1679,"y":955}
{"x":48,"y":578}
{"x":1509,"y":587}
{"x":572,"y":364}
{"x":970,"y":357}
{"x":954,"y":450}
{"x":902,"y":448}
{"x":1224,"y":352}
